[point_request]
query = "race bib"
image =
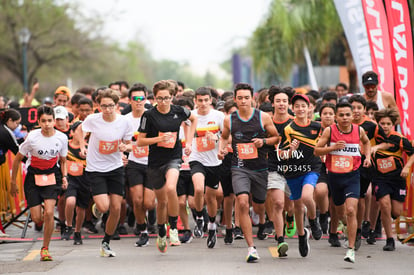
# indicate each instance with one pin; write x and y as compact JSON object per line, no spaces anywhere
{"x":386,"y":165}
{"x":45,"y":180}
{"x":247,"y":151}
{"x":185,"y":165}
{"x":75,"y":168}
{"x":140,"y":152}
{"x":342,"y":164}
{"x":170,"y":143}
{"x":204,"y":144}
{"x":108,"y":147}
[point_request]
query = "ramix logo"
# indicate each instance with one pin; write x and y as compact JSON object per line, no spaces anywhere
{"x":284,"y":154}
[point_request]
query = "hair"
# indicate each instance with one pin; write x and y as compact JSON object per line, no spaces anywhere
{"x":9,"y":114}
{"x":275,"y":90}
{"x":371,"y":105}
{"x":45,"y":110}
{"x":289,"y":91}
{"x":138,"y":87}
{"x":123,"y":83}
{"x":85,"y":100}
{"x":387,"y":112}
{"x":227,"y":95}
{"x":184,"y":101}
{"x":213,"y":102}
{"x":312,"y":100}
{"x":314,"y":94}
{"x":189,"y":94}
{"x":164,"y":85}
{"x":327,"y":105}
{"x":108,"y":93}
{"x":203,"y":91}
{"x":358,"y":98}
{"x":181,"y":84}
{"x":75,"y":98}
{"x":229,"y":104}
{"x":243,"y":86}
{"x":214,"y":93}
{"x":341,"y":84}
{"x":97,"y":91}
{"x":330,"y":96}
{"x":175,"y":85}
{"x":266,"y":107}
{"x":261,"y":96}
{"x":85,"y":90}
{"x":343,"y":105}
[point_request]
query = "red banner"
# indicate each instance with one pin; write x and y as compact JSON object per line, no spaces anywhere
{"x":403,"y":64}
{"x":379,"y":42}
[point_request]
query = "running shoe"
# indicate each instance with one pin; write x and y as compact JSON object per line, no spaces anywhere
{"x":238,"y":233}
{"x":44,"y":255}
{"x":358,"y":240}
{"x":106,"y":250}
{"x":365,"y":229}
{"x":212,"y":238}
{"x":334,"y":240}
{"x":89,"y":227}
{"x":187,"y":236}
{"x":316,"y":230}
{"x":290,"y":229}
{"x":282,"y":248}
{"x":323,"y":221}
{"x":162,"y":243}
{"x":77,"y":239}
{"x":97,"y":214}
{"x":261,"y":234}
{"x":199,"y":227}
{"x":122,"y":230}
{"x":174,"y":240}
{"x":269,"y":227}
{"x":67,"y":232}
{"x":228,"y":239}
{"x":252,"y":255}
{"x":304,"y":247}
{"x":390,"y":245}
{"x":116,"y":236}
{"x":371,"y":237}
{"x":143,"y":240}
{"x":350,"y":255}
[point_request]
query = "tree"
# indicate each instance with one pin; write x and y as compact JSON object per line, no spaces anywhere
{"x":292,"y":25}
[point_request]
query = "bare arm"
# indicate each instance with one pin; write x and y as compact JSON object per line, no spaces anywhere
{"x":273,"y":135}
{"x":366,"y":147}
{"x":64,"y":171}
{"x":15,"y":169}
{"x":190,"y":134}
{"x":225,"y":134}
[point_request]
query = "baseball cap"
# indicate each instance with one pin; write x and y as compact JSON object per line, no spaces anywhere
{"x":63,"y":90}
{"x":370,"y":78}
{"x":61,"y":112}
{"x":300,"y":96}
{"x":220,"y":105}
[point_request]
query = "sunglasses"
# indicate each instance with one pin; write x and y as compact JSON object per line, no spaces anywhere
{"x":138,"y":98}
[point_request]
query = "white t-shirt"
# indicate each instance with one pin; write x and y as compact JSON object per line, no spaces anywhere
{"x":38,"y":147}
{"x":204,"y":151}
{"x":138,"y":154}
{"x":103,"y":153}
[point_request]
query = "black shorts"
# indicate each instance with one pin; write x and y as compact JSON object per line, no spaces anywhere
{"x":185,"y":184}
{"x":225,"y":179}
{"x":344,"y":186}
{"x":79,"y":188}
{"x":157,"y":174}
{"x":34,"y":194}
{"x":111,"y":182}
{"x":211,"y":173}
{"x":323,"y":176}
{"x":365,"y":180}
{"x":395,"y":187}
{"x":136,"y":174}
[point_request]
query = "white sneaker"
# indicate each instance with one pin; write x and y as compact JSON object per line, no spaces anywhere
{"x":106,"y":250}
{"x":174,"y":240}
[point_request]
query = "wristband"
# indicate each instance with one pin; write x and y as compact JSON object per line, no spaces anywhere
{"x":264,"y":141}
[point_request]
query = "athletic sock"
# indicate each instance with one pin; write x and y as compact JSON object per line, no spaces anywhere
{"x":280,"y":239}
{"x":161,"y":230}
{"x":107,"y":238}
{"x":173,"y":222}
{"x":289,"y":218}
{"x":212,"y":219}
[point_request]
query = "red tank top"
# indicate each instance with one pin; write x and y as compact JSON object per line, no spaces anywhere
{"x":347,"y":159}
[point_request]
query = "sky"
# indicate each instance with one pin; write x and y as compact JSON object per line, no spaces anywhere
{"x":202,"y":33}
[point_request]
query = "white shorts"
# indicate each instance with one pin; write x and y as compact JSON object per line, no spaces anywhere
{"x":277,"y":181}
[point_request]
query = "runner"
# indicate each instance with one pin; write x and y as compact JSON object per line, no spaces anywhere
{"x":302,"y":169}
{"x":140,"y":188}
{"x":159,"y":129}
{"x":342,"y":161}
{"x":205,"y":166}
{"x":46,"y":150}
{"x":277,"y":190}
{"x":250,"y":129}
{"x":389,"y":179}
{"x":110,"y":135}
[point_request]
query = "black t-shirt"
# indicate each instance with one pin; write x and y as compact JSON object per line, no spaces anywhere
{"x":153,"y":122}
{"x":7,"y":142}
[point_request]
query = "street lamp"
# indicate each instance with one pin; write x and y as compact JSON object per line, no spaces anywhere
{"x":24,"y":37}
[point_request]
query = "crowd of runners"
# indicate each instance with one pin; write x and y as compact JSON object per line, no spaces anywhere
{"x":285,"y":161}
